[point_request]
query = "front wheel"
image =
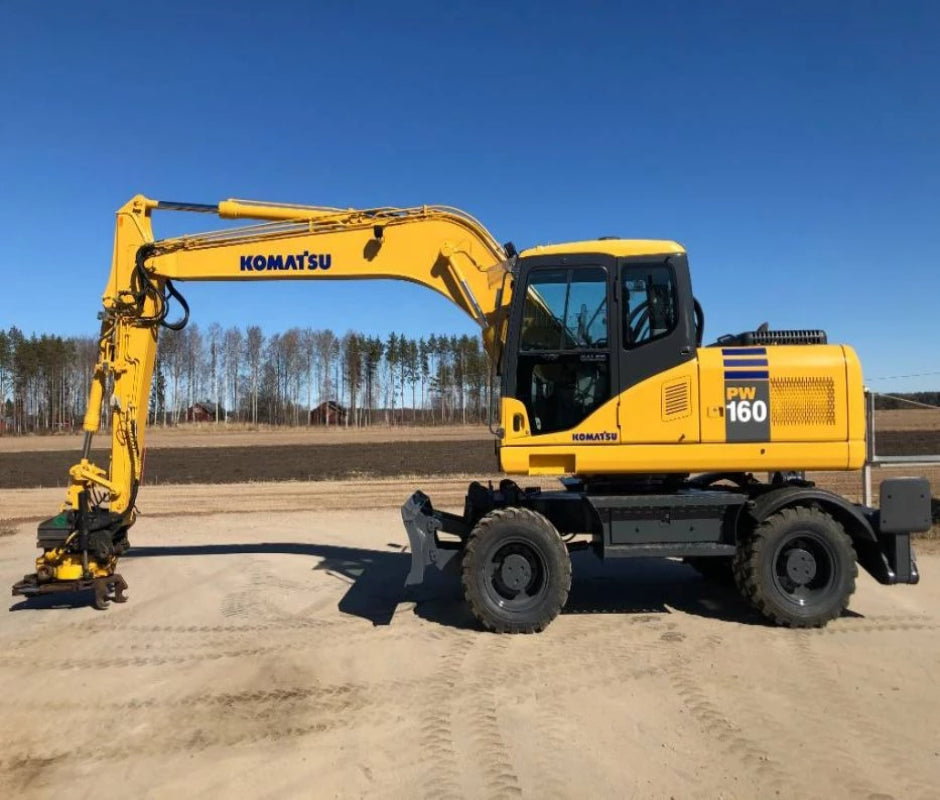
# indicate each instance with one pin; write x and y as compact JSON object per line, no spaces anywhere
{"x":797,"y":568}
{"x":516,"y":571}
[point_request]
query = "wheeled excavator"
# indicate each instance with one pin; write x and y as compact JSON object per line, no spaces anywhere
{"x":604,"y":381}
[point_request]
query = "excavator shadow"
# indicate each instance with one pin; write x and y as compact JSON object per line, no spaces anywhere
{"x":656,"y":585}
{"x":651,"y":586}
{"x":376,"y":585}
{"x":375,"y":578}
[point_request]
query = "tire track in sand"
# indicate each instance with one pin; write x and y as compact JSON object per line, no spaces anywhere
{"x":877,"y":624}
{"x":479,"y":710}
{"x":891,"y":756}
{"x":734,"y":743}
{"x":192,"y":724}
{"x":438,"y":760}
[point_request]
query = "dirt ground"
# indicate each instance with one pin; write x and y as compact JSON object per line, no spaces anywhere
{"x":888,"y":424}
{"x":290,"y":462}
{"x":301,"y":460}
{"x":198,"y":435}
{"x":910,"y":419}
{"x":275,"y":653}
{"x":239,"y":435}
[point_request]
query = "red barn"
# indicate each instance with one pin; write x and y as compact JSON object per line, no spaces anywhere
{"x":328,"y":412}
{"x":205,"y":412}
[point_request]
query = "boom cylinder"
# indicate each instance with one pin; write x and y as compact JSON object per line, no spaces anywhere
{"x":92,"y":421}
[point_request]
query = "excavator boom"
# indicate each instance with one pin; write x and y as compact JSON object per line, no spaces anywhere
{"x":438,"y":247}
{"x":442,"y":248}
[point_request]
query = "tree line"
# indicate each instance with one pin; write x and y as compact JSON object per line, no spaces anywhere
{"x":249,"y":376}
{"x":895,"y":400}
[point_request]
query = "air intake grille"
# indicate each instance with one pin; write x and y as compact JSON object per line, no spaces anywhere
{"x":802,"y":402}
{"x":772,"y":337}
{"x":676,"y":399}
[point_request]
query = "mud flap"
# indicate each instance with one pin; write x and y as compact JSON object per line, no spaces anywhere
{"x":904,"y":508}
{"x":422,"y":525}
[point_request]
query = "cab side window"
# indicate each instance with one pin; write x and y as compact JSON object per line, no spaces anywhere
{"x":650,"y":306}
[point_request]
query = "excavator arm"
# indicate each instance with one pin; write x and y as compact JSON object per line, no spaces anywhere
{"x":442,"y":248}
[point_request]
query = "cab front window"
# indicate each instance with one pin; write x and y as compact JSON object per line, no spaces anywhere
{"x":563,"y":372}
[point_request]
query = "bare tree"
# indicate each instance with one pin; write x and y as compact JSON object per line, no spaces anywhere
{"x":372,"y":348}
{"x":171,"y":354}
{"x":215,"y":365}
{"x":80,"y":372}
{"x":254,"y":344}
{"x":293,"y":371}
{"x":352,"y":356}
{"x":424,"y":363}
{"x":412,"y":372}
{"x":328,"y":347}
{"x":232,"y":343}
{"x":393,"y":364}
{"x":308,"y":346}
{"x":194,"y":360}
{"x":6,"y":370}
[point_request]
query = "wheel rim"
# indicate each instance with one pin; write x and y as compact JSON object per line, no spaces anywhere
{"x":805,"y":569}
{"x":516,"y":575}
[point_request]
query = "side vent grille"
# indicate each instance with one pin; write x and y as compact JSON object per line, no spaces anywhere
{"x":676,"y":399}
{"x":798,"y":402}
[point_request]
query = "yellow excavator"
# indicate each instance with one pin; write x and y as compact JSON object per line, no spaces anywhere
{"x":604,"y":381}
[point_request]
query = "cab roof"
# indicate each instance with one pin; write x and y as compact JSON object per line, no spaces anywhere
{"x":610,"y":247}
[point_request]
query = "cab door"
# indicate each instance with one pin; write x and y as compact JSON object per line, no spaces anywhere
{"x":656,"y":351}
{"x":561,"y":363}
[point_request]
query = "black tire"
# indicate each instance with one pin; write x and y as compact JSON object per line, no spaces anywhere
{"x":797,"y":568}
{"x":516,"y":571}
{"x":717,"y":569}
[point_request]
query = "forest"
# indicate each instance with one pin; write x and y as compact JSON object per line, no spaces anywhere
{"x":253,"y":377}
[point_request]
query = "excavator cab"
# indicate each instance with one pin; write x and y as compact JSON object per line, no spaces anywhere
{"x":583,"y":329}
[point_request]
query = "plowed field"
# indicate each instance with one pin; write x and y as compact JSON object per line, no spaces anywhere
{"x":303,"y":460}
{"x":295,"y":462}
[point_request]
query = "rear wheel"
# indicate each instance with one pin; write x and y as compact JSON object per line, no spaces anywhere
{"x":797,"y":568}
{"x":516,"y":571}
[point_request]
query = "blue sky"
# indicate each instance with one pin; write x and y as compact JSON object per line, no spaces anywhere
{"x":794,"y":148}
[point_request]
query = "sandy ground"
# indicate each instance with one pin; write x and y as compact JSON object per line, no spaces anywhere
{"x":19,"y":505}
{"x":274,"y":653}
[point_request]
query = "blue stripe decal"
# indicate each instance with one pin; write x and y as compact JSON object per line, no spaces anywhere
{"x":744,"y":351}
{"x":745,"y":362}
{"x":742,"y":375}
